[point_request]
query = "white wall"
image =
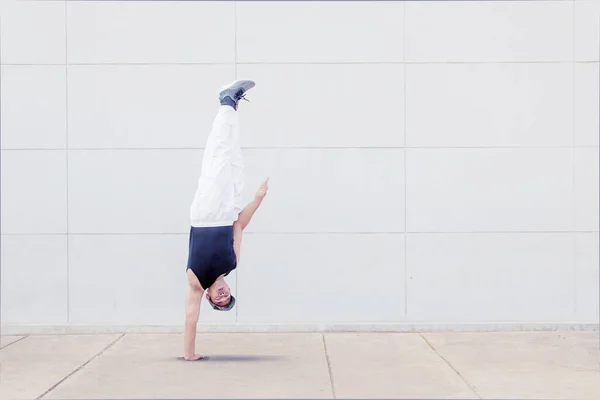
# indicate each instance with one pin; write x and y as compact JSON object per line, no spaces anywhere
{"x":429,"y":161}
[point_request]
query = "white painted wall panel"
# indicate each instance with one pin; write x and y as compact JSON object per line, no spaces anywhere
{"x":33,"y":32}
{"x":493,"y":278}
{"x":34,"y":191}
{"x":324,"y":105}
{"x":489,"y":31}
{"x":587,"y":30}
{"x":587,"y":178}
{"x":132,"y":279}
{"x":132,"y":191}
{"x":321,"y":278}
{"x":327,"y":190}
{"x":34,"y":279}
{"x":308,"y":105}
{"x":587,"y":104}
{"x":587,"y":278}
{"x":453,"y":105}
{"x":316,"y":32}
{"x":498,"y":187}
{"x":151,"y":32}
{"x":34,"y":107}
{"x":482,"y":190}
{"x":143,"y":106}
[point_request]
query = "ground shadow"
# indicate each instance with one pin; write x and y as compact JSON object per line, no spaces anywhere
{"x":241,"y":358}
{"x":235,"y":358}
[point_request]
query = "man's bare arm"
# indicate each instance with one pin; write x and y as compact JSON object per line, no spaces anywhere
{"x":245,"y":216}
{"x":193,"y":296}
{"x":247,"y":213}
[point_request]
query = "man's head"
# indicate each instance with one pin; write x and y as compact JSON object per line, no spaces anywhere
{"x":219,"y":295}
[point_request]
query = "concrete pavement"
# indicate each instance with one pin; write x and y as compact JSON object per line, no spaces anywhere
{"x":526,"y":365}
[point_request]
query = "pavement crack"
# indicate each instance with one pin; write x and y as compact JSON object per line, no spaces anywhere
{"x":16,"y":341}
{"x":471,"y":386}
{"x":329,"y":367}
{"x":80,"y":367}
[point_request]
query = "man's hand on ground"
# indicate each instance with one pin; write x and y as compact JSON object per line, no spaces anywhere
{"x":262,"y":190}
{"x":195,"y":357}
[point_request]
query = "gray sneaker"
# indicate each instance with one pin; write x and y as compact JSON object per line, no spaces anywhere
{"x":236,"y":90}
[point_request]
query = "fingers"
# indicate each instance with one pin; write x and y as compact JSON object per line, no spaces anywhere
{"x":197,"y":357}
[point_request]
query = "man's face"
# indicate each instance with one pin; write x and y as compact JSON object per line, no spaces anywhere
{"x":219,"y":293}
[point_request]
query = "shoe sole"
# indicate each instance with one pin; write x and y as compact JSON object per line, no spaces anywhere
{"x":233,"y":84}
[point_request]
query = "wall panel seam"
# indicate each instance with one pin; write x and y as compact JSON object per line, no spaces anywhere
{"x":574,"y":163}
{"x":533,"y":147}
{"x":405,"y":163}
{"x":506,"y":232}
{"x":67,"y":159}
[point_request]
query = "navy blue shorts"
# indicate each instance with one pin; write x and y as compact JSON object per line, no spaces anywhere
{"x":211,"y":253}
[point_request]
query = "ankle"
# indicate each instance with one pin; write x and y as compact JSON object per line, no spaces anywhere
{"x":228,"y":101}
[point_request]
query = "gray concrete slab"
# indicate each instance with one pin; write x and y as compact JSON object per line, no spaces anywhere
{"x":532,"y":365}
{"x":32,"y":366}
{"x":241,"y":366}
{"x":6,"y":340}
{"x":529,"y":365}
{"x":390,"y":365}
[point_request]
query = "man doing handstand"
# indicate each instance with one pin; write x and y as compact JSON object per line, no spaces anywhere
{"x":217,"y":219}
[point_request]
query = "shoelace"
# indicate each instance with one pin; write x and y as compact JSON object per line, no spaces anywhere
{"x":241,"y":95}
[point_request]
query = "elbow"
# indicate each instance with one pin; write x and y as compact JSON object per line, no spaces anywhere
{"x":237,"y":227}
